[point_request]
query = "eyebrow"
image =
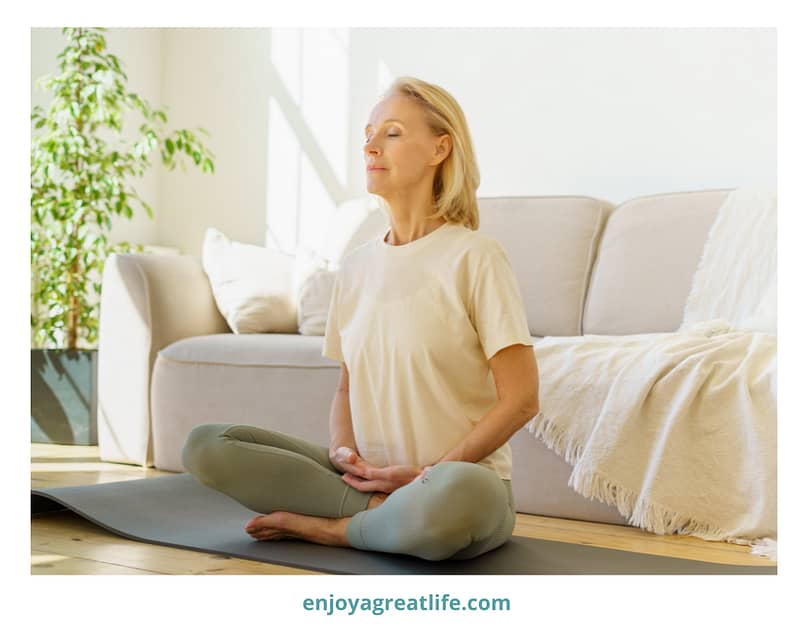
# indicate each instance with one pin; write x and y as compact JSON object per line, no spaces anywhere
{"x":366,"y":128}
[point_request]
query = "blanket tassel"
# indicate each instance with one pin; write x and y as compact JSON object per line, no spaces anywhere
{"x":639,"y":512}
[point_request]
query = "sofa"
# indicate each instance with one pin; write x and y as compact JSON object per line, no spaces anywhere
{"x":168,"y":361}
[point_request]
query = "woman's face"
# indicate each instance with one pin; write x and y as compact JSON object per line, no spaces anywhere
{"x":400,"y":143}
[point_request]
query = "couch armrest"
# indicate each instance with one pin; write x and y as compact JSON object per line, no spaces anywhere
{"x":147,"y":303}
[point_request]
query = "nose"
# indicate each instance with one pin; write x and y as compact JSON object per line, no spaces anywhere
{"x":370,"y":148}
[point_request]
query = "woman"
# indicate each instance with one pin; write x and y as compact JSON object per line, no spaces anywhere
{"x":437,"y":367}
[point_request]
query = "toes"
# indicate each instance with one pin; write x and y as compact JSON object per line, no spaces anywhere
{"x":268,"y":526}
{"x":254,"y":522}
{"x":268,"y":535}
{"x":260,"y":521}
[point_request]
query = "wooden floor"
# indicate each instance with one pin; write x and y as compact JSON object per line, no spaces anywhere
{"x":64,"y":543}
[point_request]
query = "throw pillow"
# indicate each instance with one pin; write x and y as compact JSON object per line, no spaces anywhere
{"x":252,"y":285}
{"x":310,"y":290}
{"x":354,"y":223}
{"x":351,"y":224}
{"x":314,"y":302}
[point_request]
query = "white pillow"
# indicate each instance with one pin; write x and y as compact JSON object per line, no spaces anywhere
{"x":252,"y":286}
{"x":309,"y":290}
{"x":353,"y":223}
{"x":314,"y":302}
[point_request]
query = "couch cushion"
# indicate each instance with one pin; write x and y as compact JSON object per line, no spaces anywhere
{"x":239,"y":350}
{"x":646,"y":259}
{"x":550,"y":242}
{"x":273,"y":381}
{"x":253,"y":349}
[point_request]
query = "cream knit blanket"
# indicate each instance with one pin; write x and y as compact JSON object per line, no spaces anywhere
{"x":677,"y":430}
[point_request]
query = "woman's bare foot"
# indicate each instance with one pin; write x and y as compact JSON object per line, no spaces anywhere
{"x":284,"y":525}
{"x":270,"y":526}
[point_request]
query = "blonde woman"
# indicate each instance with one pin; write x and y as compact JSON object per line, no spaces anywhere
{"x":437,"y":367}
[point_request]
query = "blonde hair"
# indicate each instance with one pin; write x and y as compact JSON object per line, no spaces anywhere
{"x":457,"y":177}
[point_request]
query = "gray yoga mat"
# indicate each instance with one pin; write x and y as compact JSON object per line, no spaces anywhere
{"x":179,"y":511}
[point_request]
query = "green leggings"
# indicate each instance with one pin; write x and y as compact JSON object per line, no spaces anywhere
{"x":458,"y":510}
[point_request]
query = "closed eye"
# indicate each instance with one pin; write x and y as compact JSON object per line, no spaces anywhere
{"x":390,"y":135}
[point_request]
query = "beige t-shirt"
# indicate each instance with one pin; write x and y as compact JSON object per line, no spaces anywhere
{"x":416,"y":325}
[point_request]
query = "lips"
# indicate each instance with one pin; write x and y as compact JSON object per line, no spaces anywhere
{"x":374,"y":168}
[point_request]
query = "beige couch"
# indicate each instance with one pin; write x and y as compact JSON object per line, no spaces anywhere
{"x":168,"y":361}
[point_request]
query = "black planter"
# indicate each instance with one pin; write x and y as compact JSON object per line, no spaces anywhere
{"x":64,"y":396}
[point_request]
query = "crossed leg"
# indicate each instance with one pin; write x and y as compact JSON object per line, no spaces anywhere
{"x":457,"y":510}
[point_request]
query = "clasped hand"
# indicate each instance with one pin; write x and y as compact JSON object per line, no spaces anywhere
{"x":359,"y":474}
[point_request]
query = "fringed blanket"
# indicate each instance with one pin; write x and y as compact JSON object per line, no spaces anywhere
{"x":677,"y":430}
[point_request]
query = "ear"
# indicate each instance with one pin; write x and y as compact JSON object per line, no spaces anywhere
{"x":443,"y":147}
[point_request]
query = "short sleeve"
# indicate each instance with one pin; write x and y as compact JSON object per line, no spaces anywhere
{"x":332,"y":333}
{"x":496,"y":305}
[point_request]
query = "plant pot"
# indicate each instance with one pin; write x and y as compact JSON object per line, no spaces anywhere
{"x":64,"y":396}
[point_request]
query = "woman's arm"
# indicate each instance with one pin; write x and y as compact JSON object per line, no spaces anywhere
{"x":495,"y":429}
{"x":517,"y":381}
{"x":341,"y":433}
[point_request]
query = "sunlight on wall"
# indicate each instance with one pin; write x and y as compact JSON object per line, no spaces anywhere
{"x":325,"y":96}
{"x":308,"y":154}
{"x":384,"y":77}
{"x":316,"y":207}
{"x":286,"y":53}
{"x":283,"y":181}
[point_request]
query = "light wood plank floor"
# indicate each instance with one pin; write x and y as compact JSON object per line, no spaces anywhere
{"x":64,"y":543}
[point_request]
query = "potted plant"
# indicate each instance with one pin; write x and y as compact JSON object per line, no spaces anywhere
{"x":81,"y":172}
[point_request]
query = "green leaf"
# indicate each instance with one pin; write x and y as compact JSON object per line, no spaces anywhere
{"x":148,"y":209}
{"x":68,"y":243}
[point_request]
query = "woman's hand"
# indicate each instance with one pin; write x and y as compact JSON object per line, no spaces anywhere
{"x":363,"y":476}
{"x":345,"y":459}
{"x":384,"y":479}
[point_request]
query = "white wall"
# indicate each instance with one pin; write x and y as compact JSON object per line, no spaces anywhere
{"x":217,"y":79}
{"x":611,"y":113}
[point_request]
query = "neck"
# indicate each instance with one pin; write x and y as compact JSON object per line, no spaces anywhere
{"x":403,"y":232}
